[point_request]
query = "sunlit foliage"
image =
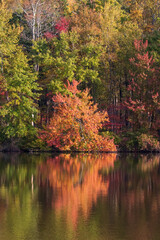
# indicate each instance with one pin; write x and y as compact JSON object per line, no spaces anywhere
{"x":76,"y":123}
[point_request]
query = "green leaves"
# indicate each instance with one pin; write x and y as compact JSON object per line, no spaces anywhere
{"x":18,"y":105}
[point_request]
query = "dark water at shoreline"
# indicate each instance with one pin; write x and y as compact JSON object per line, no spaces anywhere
{"x":85,"y":196}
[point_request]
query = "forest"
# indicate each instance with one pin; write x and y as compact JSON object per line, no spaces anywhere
{"x":80,"y":75}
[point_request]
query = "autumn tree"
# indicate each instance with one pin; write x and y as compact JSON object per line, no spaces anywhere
{"x":91,"y":46}
{"x":145,"y":13}
{"x":118,"y":34}
{"x":70,"y":54}
{"x":143,"y":99}
{"x":76,"y":123}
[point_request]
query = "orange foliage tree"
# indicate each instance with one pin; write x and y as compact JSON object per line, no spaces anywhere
{"x":76,"y":123}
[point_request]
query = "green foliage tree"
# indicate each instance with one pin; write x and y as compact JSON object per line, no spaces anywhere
{"x":18,"y":83}
{"x":74,"y":54}
{"x":96,"y":50}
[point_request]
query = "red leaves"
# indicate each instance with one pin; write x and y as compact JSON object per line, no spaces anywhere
{"x":142,"y":57}
{"x":143,"y":98}
{"x":76,"y":123}
{"x":62,"y":25}
{"x":139,"y":45}
{"x":73,"y":87}
{"x":49,"y":35}
{"x":2,"y":93}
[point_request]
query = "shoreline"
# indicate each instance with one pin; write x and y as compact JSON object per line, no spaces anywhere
{"x":74,"y":152}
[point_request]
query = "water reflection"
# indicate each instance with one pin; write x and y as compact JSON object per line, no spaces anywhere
{"x":17,"y":197}
{"x":134,"y":196}
{"x":96,"y":197}
{"x":76,"y":182}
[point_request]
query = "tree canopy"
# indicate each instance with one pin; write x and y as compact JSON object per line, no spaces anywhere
{"x":108,"y":47}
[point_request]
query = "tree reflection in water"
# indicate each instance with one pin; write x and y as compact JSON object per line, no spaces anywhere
{"x":77,"y":182}
{"x":71,"y":197}
{"x":135,"y":187}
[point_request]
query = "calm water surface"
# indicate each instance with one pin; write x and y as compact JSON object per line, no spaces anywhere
{"x":79,"y":197}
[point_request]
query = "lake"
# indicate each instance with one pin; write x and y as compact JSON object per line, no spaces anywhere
{"x":79,"y":197}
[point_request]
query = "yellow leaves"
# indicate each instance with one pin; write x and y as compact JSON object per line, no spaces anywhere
{"x":136,"y":13}
{"x":72,"y":6}
{"x":110,"y":25}
{"x":8,"y":34}
{"x":145,"y":13}
{"x":87,"y":24}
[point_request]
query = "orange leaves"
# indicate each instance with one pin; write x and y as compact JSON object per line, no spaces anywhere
{"x":76,"y":123}
{"x":77,"y":181}
{"x":87,"y":24}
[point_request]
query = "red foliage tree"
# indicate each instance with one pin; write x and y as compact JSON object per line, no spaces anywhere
{"x":49,"y":35}
{"x":143,"y":98}
{"x":76,"y":123}
{"x":62,"y":25}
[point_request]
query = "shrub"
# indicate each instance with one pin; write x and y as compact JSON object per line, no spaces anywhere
{"x":138,"y":141}
{"x":129,"y":141}
{"x":76,"y":123}
{"x":148,"y":143}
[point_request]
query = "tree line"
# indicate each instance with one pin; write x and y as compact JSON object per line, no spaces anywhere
{"x":110,"y":47}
